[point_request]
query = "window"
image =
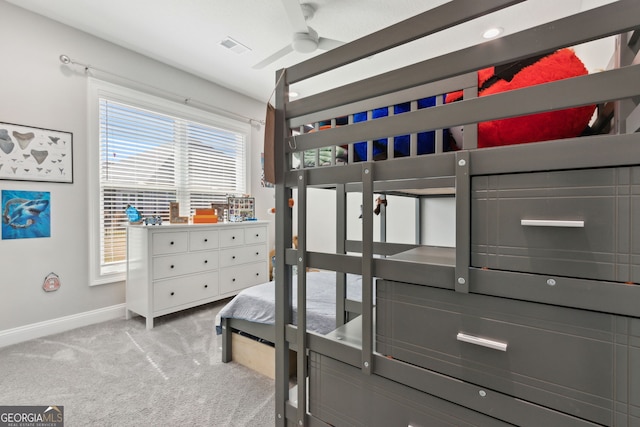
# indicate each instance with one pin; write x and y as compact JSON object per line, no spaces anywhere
{"x":151,"y":152}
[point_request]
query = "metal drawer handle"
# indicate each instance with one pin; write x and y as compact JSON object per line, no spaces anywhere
{"x":496,"y":345}
{"x":551,"y":223}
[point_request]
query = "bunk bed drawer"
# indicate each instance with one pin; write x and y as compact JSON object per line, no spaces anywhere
{"x":574,"y":223}
{"x":570,"y":360}
{"x":340,"y":395}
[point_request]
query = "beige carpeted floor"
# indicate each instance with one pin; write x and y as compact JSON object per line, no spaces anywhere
{"x":119,"y":374}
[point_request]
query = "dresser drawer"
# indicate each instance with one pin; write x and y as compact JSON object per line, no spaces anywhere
{"x":236,"y":278}
{"x":175,"y":265}
{"x":203,"y":240}
{"x":232,"y":237}
{"x":570,"y":360}
{"x":577,"y":223}
{"x":255,"y":235}
{"x":242,"y":255}
{"x":169,"y":243}
{"x":184,"y":290}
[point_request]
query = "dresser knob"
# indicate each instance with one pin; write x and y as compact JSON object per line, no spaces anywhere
{"x":233,"y":257}
{"x":257,"y":235}
{"x":233,"y":280}
{"x":206,"y":240}
{"x":233,"y":237}
{"x":205,"y":261}
{"x":171,"y":265}
{"x":206,"y":286}
{"x":172,"y":293}
{"x":257,"y":274}
{"x":171,"y":243}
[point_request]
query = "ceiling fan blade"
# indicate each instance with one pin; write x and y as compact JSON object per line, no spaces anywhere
{"x":279,"y":54}
{"x":328,"y":44}
{"x":295,"y":15}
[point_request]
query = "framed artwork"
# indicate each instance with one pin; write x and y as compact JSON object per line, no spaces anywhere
{"x":174,"y":214}
{"x":35,"y":154}
{"x":26,"y":214}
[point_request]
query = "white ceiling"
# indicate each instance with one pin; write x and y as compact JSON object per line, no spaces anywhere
{"x":187,"y":33}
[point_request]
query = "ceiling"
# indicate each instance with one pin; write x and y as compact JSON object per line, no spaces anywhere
{"x":187,"y":34}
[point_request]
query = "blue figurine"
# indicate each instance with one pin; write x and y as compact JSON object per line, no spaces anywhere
{"x":134,"y":215}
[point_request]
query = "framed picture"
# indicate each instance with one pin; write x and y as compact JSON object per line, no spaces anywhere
{"x":26,"y":214}
{"x":35,"y":154}
{"x":174,"y":214}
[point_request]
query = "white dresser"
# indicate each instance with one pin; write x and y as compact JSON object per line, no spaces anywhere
{"x":174,"y":267}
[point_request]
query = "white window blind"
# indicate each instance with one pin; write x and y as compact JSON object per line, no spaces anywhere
{"x":148,"y":159}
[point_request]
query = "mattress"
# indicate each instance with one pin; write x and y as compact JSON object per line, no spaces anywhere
{"x":257,"y":303}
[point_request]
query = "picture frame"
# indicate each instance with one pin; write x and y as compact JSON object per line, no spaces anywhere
{"x":26,"y":214}
{"x":30,"y":153}
{"x":174,"y":214}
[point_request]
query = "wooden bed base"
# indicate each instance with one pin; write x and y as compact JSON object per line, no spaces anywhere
{"x":254,"y":354}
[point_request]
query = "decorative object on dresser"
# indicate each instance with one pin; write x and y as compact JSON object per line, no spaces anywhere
{"x":174,"y":214}
{"x":241,"y":208}
{"x":175,"y":267}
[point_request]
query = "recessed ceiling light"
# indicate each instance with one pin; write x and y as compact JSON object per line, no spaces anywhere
{"x":492,"y":32}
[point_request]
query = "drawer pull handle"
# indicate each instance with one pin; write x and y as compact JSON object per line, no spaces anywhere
{"x":257,"y":274}
{"x":171,"y":243}
{"x":206,"y":261}
{"x":233,"y":257}
{"x":233,"y":280}
{"x":257,"y":253}
{"x":206,"y":286}
{"x":551,"y":223}
{"x":496,"y":345}
{"x":233,"y":237}
{"x":257,"y":235}
{"x":171,"y":266}
{"x":206,"y":240}
{"x":172,"y":293}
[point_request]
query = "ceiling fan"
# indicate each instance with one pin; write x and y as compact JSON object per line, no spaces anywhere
{"x":305,"y":39}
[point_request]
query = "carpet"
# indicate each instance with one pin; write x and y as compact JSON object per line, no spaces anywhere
{"x":117,"y":373}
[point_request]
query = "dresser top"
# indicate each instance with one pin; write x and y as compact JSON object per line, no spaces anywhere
{"x":196,"y":226}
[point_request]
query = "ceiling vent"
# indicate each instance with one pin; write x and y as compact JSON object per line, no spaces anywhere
{"x":234,"y":45}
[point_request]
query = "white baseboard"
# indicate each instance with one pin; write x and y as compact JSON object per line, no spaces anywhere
{"x":61,"y":324}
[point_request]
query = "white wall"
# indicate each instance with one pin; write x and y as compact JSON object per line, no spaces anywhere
{"x":37,"y":90}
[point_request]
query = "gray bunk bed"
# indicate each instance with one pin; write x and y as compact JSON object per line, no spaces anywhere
{"x":533,"y":319}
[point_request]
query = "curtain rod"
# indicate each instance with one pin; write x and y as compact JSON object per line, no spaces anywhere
{"x":186,"y":100}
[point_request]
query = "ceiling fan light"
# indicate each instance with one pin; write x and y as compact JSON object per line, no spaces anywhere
{"x":304,"y":43}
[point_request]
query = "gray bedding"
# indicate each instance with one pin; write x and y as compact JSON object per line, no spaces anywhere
{"x":257,"y":304}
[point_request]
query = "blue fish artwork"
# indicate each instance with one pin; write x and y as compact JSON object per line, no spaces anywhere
{"x":25,"y":214}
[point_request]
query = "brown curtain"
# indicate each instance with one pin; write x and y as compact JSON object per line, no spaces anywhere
{"x":269,"y":145}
